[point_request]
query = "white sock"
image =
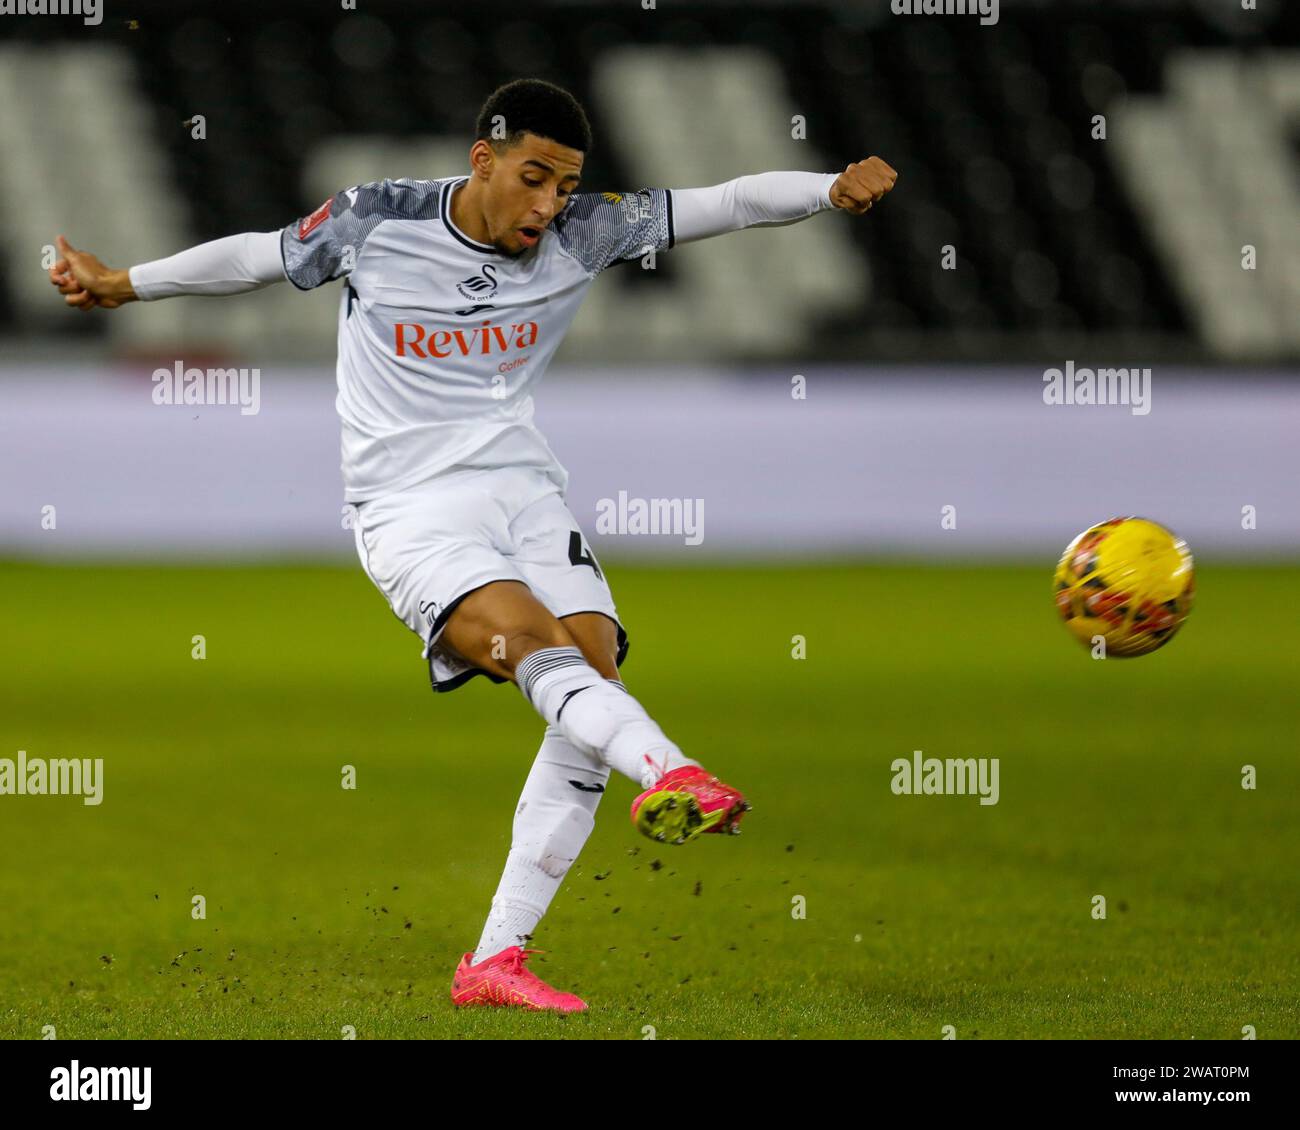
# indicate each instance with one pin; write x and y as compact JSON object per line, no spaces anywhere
{"x":552,"y":822}
{"x":597,"y":715}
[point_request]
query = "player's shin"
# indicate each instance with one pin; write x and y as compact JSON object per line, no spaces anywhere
{"x":555,"y":815}
{"x":598,"y":715}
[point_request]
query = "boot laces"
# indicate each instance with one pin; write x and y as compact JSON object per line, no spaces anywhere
{"x":517,"y":959}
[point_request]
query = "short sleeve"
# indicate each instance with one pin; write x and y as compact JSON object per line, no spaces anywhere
{"x":326,"y":244}
{"x":602,"y":228}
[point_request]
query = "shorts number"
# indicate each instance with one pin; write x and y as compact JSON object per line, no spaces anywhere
{"x":579,"y":556}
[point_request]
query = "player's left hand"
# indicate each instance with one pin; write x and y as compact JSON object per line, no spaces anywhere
{"x":861,"y":185}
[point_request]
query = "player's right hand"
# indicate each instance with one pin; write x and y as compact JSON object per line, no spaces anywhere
{"x":86,"y":283}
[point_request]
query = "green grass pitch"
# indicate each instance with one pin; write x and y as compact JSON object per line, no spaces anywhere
{"x":328,"y":908}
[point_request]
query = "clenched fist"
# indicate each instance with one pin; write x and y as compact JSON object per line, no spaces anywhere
{"x":861,"y":185}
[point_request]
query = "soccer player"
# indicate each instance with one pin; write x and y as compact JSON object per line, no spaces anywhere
{"x":456,"y":293}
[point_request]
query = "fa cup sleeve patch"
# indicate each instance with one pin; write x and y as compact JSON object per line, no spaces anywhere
{"x":310,"y":223}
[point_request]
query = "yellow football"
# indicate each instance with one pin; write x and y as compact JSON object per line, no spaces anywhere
{"x":1128,"y":581}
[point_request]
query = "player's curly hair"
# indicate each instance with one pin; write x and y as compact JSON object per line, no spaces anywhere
{"x":531,"y":105}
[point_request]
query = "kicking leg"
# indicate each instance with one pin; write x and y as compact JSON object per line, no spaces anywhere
{"x":685,"y":801}
{"x":504,"y":629}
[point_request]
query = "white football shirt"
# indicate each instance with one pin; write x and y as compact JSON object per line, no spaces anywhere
{"x":442,"y":339}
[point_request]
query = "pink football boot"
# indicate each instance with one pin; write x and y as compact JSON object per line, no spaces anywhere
{"x":502,"y":981}
{"x":687,"y":802}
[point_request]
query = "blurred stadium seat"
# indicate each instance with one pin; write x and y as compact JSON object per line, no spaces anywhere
{"x":1059,"y":237}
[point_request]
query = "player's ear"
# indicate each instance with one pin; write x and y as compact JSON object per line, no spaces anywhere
{"x":481,"y":157}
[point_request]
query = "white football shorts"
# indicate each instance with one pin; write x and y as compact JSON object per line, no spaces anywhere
{"x":428,"y":547}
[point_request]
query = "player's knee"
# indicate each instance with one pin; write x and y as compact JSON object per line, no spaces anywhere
{"x":601,"y":654}
{"x":515,"y":646}
{"x":596,"y":636}
{"x":605,"y":662}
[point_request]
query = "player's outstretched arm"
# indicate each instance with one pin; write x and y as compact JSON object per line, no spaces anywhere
{"x":233,"y":265}
{"x":776,"y":199}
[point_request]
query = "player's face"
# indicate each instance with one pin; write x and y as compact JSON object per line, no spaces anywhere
{"x":529,"y":186}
